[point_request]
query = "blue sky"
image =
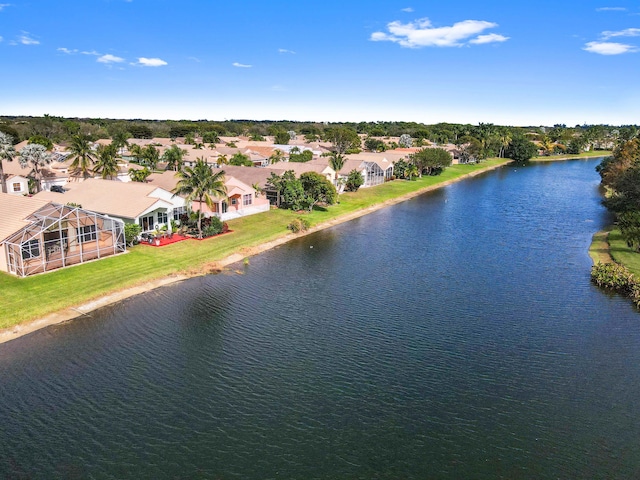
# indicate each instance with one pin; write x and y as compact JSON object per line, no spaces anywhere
{"x":503,"y":62}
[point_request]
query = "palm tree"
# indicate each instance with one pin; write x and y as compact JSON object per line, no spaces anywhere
{"x":504,"y":139}
{"x":82,"y":155}
{"x":136,"y":152}
{"x":107,"y":164}
{"x":200,"y":184}
{"x":173,"y":156}
{"x":7,"y":152}
{"x":35,"y":156}
{"x":151,"y":156}
{"x":120,"y":140}
{"x":337,"y":162}
{"x":139,"y":175}
{"x":276,"y":156}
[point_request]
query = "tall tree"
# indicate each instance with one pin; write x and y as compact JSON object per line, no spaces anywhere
{"x":174,"y":156}
{"x":35,"y":156}
{"x":343,"y":139}
{"x":337,"y":162}
{"x":318,"y":189}
{"x":107,"y":164}
{"x":520,"y":149}
{"x":151,"y":156}
{"x":431,"y":161}
{"x":82,"y":156}
{"x":7,"y":152}
{"x":201,"y":184}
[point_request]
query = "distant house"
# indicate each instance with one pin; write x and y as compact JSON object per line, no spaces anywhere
{"x":38,"y":236}
{"x":146,"y":204}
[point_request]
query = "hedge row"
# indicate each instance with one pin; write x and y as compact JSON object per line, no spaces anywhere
{"x":613,"y":276}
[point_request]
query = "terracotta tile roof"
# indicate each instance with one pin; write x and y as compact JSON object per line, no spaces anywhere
{"x":15,"y":208}
{"x":120,"y":199}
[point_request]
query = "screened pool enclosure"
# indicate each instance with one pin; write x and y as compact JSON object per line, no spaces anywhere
{"x":61,"y":235}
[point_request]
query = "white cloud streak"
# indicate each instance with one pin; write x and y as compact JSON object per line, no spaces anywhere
{"x":151,"y":62}
{"x":628,"y":32}
{"x":241,"y":65}
{"x":108,"y":58}
{"x":611,"y":9}
{"x":26,"y":39}
{"x":67,"y":50}
{"x":609,"y":48}
{"x":284,"y":50}
{"x":408,"y":10}
{"x":421,"y":33}
{"x":4,"y":5}
{"x":489,"y":38}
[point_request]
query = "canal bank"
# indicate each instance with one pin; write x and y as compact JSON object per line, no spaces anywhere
{"x":113,"y":296}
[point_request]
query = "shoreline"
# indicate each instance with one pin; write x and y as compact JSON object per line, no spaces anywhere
{"x":70,"y":313}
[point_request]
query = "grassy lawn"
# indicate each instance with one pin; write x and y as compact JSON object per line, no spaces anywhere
{"x":591,"y":154}
{"x":621,"y":253}
{"x":33,"y":297}
{"x":599,"y":249}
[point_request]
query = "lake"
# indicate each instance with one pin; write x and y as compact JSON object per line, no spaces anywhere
{"x":455,"y":335}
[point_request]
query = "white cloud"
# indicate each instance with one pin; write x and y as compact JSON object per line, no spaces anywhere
{"x":422,"y":33}
{"x":489,"y":38}
{"x":67,"y":50}
{"x":629,"y":32}
{"x":408,"y":9}
{"x":611,"y":9}
{"x":241,"y":65}
{"x":609,"y":48}
{"x":4,"y":5}
{"x":108,"y":58}
{"x":91,"y":52}
{"x":194,"y":59}
{"x":1,"y":39}
{"x":284,"y":50}
{"x":151,"y":62}
{"x":25,"y":39}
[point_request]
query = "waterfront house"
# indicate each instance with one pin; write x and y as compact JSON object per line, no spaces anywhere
{"x":146,"y":204}
{"x":241,"y":199}
{"x":38,"y":236}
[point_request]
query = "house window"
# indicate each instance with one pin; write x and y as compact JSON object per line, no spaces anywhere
{"x":247,"y":199}
{"x":178,"y":212}
{"x":146,"y":223}
{"x":31,"y":249}
{"x":86,"y":233}
{"x":234,"y":201}
{"x":162,"y":217}
{"x":17,"y":187}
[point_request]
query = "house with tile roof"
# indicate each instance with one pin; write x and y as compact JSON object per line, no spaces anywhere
{"x":148,"y":205}
{"x":241,"y":199}
{"x":38,"y":236}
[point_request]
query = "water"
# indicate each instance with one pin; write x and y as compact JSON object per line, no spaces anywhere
{"x":455,"y":335}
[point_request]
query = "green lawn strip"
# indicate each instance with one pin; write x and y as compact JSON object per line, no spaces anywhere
{"x":622,"y":254}
{"x":589,"y":154}
{"x":33,"y":297}
{"x":599,"y":249}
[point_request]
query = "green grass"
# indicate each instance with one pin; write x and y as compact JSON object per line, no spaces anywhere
{"x":622,"y":254}
{"x":29,"y":298}
{"x":599,"y":249}
{"x":590,"y":154}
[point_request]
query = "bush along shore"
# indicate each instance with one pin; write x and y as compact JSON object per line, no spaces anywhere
{"x":616,"y":278}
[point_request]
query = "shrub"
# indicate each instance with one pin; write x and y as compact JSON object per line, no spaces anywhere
{"x":617,"y":278}
{"x":211,"y":226}
{"x":299,"y":225}
{"x":131,"y":232}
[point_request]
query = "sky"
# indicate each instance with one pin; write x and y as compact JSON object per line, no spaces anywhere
{"x":469,"y":61}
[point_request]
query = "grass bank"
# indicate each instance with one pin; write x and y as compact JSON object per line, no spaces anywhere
{"x":590,"y":154}
{"x":31,"y":298}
